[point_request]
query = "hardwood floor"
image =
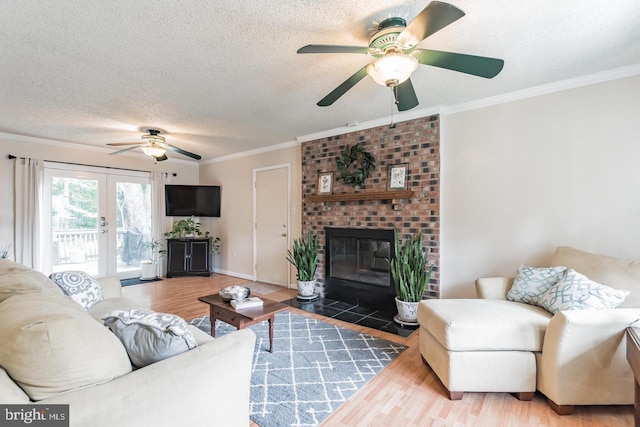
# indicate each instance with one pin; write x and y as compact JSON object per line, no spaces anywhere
{"x":406,"y":393}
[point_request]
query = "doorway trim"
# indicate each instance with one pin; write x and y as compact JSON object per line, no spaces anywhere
{"x":286,"y":166}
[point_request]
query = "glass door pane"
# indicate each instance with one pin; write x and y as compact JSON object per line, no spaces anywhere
{"x":133,"y":224}
{"x":75,"y":226}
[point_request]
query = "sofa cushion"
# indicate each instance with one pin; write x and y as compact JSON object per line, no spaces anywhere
{"x":16,"y":279}
{"x":576,"y":292}
{"x":531,"y":283}
{"x":149,"y":336}
{"x":50,"y":345}
{"x":9,"y":391}
{"x":477,"y":324}
{"x":613,"y":272}
{"x":81,"y":287}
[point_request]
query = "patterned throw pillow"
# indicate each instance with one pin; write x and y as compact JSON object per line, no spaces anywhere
{"x":577,"y":292}
{"x":148,"y":336}
{"x":81,"y":287}
{"x":531,"y":283}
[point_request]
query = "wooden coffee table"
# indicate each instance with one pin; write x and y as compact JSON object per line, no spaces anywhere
{"x":224,"y":311}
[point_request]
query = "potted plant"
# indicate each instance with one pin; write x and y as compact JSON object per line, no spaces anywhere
{"x":305,"y":259}
{"x":5,"y":251}
{"x":149,"y":267}
{"x":185,"y":228}
{"x":189,"y":228}
{"x":411,"y":272}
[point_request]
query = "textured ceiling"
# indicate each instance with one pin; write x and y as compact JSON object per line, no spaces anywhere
{"x":224,"y":77}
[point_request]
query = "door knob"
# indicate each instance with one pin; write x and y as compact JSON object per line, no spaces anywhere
{"x":284,"y":234}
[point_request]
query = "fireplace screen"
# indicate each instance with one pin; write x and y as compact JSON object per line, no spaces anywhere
{"x":360,"y":260}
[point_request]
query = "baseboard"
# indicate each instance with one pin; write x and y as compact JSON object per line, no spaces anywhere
{"x":233,"y":274}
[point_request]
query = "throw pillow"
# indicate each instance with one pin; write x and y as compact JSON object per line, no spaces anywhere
{"x":577,"y":292}
{"x":531,"y":283}
{"x":81,"y":287}
{"x":50,"y":345}
{"x":148,"y":336}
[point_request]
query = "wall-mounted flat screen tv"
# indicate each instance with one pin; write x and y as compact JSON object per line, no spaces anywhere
{"x":196,"y":200}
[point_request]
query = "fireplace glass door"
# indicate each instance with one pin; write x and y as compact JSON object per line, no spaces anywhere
{"x":360,"y":260}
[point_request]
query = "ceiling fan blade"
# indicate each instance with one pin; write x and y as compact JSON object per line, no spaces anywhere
{"x":122,"y":151}
{"x":162,"y":158}
{"x":117,"y":144}
{"x":343,"y":88}
{"x":475,"y":65}
{"x":326,"y":48}
{"x":183,"y":152}
{"x":405,"y":95}
{"x":433,"y":18}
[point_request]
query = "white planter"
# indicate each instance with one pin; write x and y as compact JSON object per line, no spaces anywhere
{"x":148,"y":270}
{"x":407,"y":311}
{"x":306,"y":289}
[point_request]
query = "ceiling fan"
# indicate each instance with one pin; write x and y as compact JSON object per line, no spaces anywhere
{"x":394,"y":48}
{"x":153,"y":145}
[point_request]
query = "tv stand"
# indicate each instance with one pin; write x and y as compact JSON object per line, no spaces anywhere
{"x":188,"y":257}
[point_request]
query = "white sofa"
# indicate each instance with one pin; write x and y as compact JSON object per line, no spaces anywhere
{"x":575,"y":357}
{"x":208,"y":385}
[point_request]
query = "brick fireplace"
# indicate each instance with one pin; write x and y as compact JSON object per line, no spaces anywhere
{"x":415,"y":143}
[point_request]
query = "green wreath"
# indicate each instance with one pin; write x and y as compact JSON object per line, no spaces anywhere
{"x":352,"y":156}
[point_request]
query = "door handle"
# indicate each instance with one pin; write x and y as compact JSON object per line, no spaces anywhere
{"x":104,"y":230}
{"x":284,"y":234}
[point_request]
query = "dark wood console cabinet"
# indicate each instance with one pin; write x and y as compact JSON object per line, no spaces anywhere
{"x":188,"y":257}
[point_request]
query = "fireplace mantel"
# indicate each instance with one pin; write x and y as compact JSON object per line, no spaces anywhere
{"x":369,"y":195}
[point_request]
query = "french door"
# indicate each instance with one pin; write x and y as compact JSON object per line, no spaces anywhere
{"x":96,"y":220}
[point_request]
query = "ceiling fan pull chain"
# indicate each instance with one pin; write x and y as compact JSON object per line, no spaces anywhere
{"x":394,"y":92}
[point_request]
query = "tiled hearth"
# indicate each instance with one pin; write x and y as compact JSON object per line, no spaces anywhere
{"x":358,"y":315}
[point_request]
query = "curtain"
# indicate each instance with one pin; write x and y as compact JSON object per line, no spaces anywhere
{"x":158,"y":181}
{"x":28,"y":184}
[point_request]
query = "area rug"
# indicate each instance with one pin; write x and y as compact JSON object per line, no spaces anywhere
{"x":315,"y":366}
{"x":137,"y":281}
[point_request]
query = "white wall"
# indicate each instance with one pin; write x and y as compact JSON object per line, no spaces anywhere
{"x":187,"y":172}
{"x":235,"y":225}
{"x":521,"y":178}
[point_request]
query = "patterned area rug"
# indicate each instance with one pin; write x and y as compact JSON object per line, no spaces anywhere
{"x":315,"y":366}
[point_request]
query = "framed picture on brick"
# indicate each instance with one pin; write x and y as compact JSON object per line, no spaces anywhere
{"x":397,"y":177}
{"x":325,"y":183}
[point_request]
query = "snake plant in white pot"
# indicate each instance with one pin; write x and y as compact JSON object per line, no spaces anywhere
{"x":305,"y":259}
{"x":411,"y":272}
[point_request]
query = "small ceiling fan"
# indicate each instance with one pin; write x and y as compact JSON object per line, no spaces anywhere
{"x":394,"y":48}
{"x":153,"y":145}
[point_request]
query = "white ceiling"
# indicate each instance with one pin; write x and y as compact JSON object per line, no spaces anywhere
{"x":223,"y":77}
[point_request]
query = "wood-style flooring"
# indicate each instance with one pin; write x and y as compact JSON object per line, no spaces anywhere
{"x":406,"y":393}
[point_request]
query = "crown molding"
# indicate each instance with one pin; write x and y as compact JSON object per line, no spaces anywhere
{"x":354,"y":127}
{"x":559,"y":86}
{"x":262,"y":150}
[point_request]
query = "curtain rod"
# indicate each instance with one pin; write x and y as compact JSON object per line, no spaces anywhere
{"x":11,"y":157}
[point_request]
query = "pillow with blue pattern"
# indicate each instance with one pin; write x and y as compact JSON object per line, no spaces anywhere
{"x":531,"y":283}
{"x":575,"y":291}
{"x":81,"y":287}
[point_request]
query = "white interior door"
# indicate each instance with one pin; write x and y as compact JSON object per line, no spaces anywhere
{"x":271,"y":224}
{"x":96,"y":221}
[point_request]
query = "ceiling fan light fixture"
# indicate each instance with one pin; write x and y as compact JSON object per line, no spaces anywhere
{"x":392,"y":69}
{"x":155,"y":145}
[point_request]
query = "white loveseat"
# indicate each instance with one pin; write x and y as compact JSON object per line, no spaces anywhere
{"x":61,"y":354}
{"x":575,"y":357}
